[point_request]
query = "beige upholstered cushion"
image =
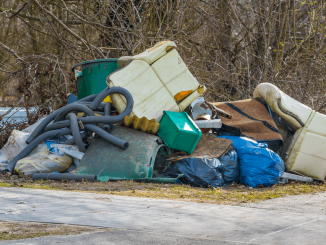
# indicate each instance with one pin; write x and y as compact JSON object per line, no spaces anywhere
{"x":290,"y":110}
{"x":306,"y":154}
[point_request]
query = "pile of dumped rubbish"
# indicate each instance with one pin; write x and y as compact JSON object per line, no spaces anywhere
{"x":145,"y":118}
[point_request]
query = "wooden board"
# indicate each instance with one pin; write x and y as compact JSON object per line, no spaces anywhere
{"x":207,"y":147}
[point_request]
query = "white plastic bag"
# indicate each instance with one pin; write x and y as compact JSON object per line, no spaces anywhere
{"x":43,"y":162}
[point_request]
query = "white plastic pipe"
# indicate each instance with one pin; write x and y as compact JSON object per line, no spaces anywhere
{"x":215,"y":123}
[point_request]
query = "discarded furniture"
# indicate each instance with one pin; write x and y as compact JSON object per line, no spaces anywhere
{"x":178,"y":131}
{"x":158,"y":80}
{"x":254,"y":120}
{"x":146,"y":154}
{"x":306,"y":152}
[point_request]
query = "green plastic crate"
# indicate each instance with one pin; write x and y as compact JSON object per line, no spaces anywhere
{"x":178,"y":131}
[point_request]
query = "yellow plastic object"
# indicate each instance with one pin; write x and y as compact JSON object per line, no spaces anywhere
{"x":107,"y":99}
{"x":45,"y":163}
{"x":181,"y":95}
{"x":143,"y":124}
{"x":201,"y":89}
{"x":80,"y":114}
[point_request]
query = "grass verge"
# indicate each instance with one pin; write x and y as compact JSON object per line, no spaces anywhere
{"x":230,"y":195}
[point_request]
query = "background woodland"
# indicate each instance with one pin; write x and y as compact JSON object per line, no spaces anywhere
{"x":231,"y":45}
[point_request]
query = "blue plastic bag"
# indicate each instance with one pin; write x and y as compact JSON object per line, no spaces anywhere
{"x":199,"y":172}
{"x":258,"y":164}
{"x":231,"y":167}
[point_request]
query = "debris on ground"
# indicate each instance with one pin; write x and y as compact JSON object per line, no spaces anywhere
{"x":150,"y":123}
{"x":24,"y":230}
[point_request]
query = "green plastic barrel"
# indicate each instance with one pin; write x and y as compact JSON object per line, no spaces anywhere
{"x":92,"y":78}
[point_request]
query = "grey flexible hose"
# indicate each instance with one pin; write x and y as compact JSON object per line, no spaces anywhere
{"x":84,"y":120}
{"x":104,"y":119}
{"x":60,"y":128}
{"x":75,"y":131}
{"x":99,"y":98}
{"x":72,"y":141}
{"x":107,"y":112}
{"x":39,"y":129}
{"x":65,"y":177}
{"x":62,"y":115}
{"x":28,"y":149}
{"x":113,"y":90}
{"x":108,"y":137}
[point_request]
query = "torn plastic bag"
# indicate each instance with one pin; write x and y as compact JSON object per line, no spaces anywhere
{"x":231,"y":167}
{"x":199,"y":172}
{"x":43,"y":162}
{"x":258,"y":164}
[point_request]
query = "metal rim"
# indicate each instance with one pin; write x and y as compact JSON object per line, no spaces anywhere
{"x":93,"y":61}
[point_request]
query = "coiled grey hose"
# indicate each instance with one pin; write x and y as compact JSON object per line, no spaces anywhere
{"x":62,"y":115}
{"x":108,"y":137}
{"x":103,"y":119}
{"x":107,"y":112}
{"x":28,"y":149}
{"x":61,"y":127}
{"x":75,"y":131}
{"x":98,"y":99}
{"x":39,"y":129}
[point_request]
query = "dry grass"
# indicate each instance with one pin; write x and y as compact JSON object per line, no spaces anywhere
{"x":230,"y":195}
{"x":23,"y":230}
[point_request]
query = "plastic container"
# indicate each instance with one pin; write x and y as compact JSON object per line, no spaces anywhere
{"x":178,"y":131}
{"x":92,"y":77}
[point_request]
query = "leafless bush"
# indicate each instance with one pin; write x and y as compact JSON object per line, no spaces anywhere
{"x":232,"y":45}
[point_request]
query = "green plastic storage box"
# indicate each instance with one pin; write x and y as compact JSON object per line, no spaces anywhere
{"x":178,"y":131}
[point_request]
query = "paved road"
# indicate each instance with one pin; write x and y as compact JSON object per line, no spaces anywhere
{"x":291,"y":220}
{"x":120,"y":237}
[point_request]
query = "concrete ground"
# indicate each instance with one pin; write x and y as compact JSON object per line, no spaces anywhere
{"x":289,"y":220}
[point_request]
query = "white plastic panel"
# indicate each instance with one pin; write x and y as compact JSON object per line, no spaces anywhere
{"x":154,"y":87}
{"x":174,"y":74}
{"x":152,"y":54}
{"x":149,"y":94}
{"x":154,"y":105}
